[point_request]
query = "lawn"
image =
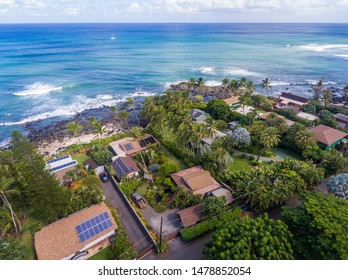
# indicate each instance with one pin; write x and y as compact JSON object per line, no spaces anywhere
{"x":240,"y":164}
{"x":80,"y":158}
{"x":28,"y":228}
{"x":171,"y":158}
{"x":101,"y":255}
{"x":143,"y":189}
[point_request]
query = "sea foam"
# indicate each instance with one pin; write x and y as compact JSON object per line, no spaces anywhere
{"x":207,"y":70}
{"x":242,"y":73}
{"x":37,"y":89}
{"x":321,"y":48}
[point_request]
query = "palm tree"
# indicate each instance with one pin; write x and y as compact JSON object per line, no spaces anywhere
{"x":99,"y":129}
{"x":75,"y":128}
{"x":245,"y":101}
{"x":199,"y":132}
{"x":131,"y":104}
{"x":345,"y":93}
{"x":266,"y":84}
{"x":269,"y":138}
{"x":124,"y":117}
{"x":200,"y":82}
{"x":318,"y":88}
{"x":305,"y":139}
{"x":219,"y":154}
{"x":5,"y":184}
{"x":6,"y":222}
{"x":327,"y":97}
{"x":252,"y":116}
{"x":192,"y":83}
{"x":115,"y":112}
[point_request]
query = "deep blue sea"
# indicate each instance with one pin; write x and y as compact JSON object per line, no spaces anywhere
{"x":56,"y":70}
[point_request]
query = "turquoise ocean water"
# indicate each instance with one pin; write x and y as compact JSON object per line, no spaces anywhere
{"x":56,"y":70}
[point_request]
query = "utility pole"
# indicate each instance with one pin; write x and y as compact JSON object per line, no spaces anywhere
{"x":160,"y":242}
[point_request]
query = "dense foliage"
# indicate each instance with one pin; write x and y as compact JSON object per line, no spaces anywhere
{"x":251,"y":239}
{"x":214,"y":205}
{"x":100,"y":154}
{"x":338,"y":185}
{"x":218,"y":109}
{"x":121,"y":248}
{"x":271,"y":185}
{"x":319,"y":227}
{"x":11,"y":249}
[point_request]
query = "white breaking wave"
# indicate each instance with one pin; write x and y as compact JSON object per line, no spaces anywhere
{"x":344,"y":56}
{"x":314,"y":82}
{"x":37,"y":89}
{"x":213,"y":83}
{"x":207,"y":70}
{"x":242,"y":73}
{"x":79,"y":104}
{"x":279,"y":83}
{"x":321,"y":48}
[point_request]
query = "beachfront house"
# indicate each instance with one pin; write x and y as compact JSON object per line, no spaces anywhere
{"x":60,"y":166}
{"x":125,"y":166}
{"x":288,"y":99}
{"x":195,"y":180}
{"x":342,"y":120}
{"x":90,"y":164}
{"x":198,"y":116}
{"x":306,"y":116}
{"x":78,"y":236}
{"x":233,"y":101}
{"x":328,"y":137}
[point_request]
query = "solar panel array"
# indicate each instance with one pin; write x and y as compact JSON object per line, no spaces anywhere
{"x":121,"y":168}
{"x":57,"y":159}
{"x":64,"y":165}
{"x":129,"y":146}
{"x":94,"y":226}
{"x":146,"y":141}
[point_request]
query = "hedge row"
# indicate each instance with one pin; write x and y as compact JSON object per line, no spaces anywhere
{"x":197,"y":230}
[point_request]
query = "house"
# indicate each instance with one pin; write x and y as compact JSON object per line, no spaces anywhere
{"x":223,"y":192}
{"x":129,"y":146}
{"x":289,"y":99}
{"x":195,"y":180}
{"x":342,"y":120}
{"x":60,"y":166}
{"x":328,"y":137}
{"x":232,"y":125}
{"x":78,"y":236}
{"x":307,"y":116}
{"x":244,"y":110}
{"x":191,"y":215}
{"x":210,"y":141}
{"x":125,"y":166}
{"x":198,"y":116}
{"x":91,"y":164}
{"x":233,"y":101}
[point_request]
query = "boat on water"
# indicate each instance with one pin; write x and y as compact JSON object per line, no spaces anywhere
{"x":113,"y":37}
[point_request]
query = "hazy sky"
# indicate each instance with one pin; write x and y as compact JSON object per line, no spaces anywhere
{"x":173,"y":11}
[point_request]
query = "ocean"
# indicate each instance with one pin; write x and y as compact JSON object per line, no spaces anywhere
{"x":52,"y":71}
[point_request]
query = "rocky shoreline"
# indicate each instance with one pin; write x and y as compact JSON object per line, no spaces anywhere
{"x":42,"y":135}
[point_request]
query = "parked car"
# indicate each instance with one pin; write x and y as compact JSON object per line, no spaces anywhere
{"x":139,"y":201}
{"x":103,"y":177}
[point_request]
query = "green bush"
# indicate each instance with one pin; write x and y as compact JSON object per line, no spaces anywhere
{"x":199,"y":229}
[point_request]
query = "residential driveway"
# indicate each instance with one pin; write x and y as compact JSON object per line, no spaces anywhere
{"x":171,"y":221}
{"x":180,"y":250}
{"x":136,"y":233}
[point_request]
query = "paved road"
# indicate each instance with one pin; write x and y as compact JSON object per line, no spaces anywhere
{"x":134,"y":230}
{"x":179,"y":250}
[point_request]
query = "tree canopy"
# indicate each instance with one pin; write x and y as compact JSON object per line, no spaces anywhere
{"x":251,"y":239}
{"x":218,"y":109}
{"x":319,"y":227}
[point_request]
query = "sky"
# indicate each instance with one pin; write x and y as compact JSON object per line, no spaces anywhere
{"x":37,"y":11}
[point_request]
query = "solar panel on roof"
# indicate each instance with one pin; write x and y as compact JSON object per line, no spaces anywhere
{"x":64,"y":165}
{"x":128,"y":146}
{"x":93,"y":226}
{"x":120,"y":168}
{"x":57,"y":159}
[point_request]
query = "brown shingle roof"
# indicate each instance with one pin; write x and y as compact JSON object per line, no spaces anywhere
{"x":294,"y":97}
{"x":190,"y":216}
{"x":232,"y":100}
{"x":327,"y":135}
{"x":60,"y":240}
{"x":135,"y":145}
{"x":195,"y":179}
